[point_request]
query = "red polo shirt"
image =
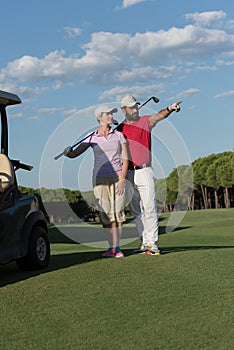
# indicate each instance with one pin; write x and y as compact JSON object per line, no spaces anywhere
{"x":138,"y":135}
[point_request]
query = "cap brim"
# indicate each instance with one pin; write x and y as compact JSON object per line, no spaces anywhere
{"x":131,"y":104}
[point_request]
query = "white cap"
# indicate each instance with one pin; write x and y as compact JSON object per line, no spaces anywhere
{"x":129,"y":101}
{"x":105,"y":109}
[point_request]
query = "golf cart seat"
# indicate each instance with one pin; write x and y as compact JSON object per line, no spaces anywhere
{"x":6,"y":173}
{"x":8,"y":190}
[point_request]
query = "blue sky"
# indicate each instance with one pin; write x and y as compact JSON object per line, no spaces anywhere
{"x":63,"y":58}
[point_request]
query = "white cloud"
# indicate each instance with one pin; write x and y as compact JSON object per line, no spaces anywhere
{"x":138,"y":91}
{"x":225,"y":63}
{"x":117,"y":58}
{"x":50,"y":110}
{"x":53,"y":66}
{"x":33,"y":118}
{"x":225,"y":94}
{"x":206,"y":68}
{"x":230,"y":24}
{"x":143,"y":92}
{"x":205,"y":18}
{"x":70,"y":112}
{"x":186,"y":93}
{"x":125,"y":52}
{"x":72,"y":32}
{"x":142,"y":74}
{"x":128,"y":3}
{"x":15,"y":116}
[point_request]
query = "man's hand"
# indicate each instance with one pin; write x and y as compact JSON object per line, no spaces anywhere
{"x":174,"y":107}
{"x":67,"y":150}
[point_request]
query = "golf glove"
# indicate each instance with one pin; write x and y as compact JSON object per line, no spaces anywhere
{"x":67,"y":150}
{"x":174,"y":107}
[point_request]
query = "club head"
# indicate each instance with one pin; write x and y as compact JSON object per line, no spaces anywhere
{"x":155,"y":99}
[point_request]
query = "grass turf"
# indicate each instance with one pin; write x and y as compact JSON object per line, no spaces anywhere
{"x":180,"y":300}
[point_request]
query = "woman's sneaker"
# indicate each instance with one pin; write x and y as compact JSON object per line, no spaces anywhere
{"x":109,"y":253}
{"x":118,"y":253}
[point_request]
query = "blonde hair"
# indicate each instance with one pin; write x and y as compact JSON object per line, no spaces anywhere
{"x":99,"y":116}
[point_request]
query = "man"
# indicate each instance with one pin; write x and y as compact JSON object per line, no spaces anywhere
{"x":142,"y":192}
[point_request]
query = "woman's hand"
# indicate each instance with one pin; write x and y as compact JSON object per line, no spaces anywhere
{"x":120,"y":187}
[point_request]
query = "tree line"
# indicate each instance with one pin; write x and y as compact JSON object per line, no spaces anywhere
{"x":205,"y":184}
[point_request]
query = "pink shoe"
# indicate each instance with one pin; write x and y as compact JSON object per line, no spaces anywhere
{"x":109,"y":253}
{"x":118,"y":253}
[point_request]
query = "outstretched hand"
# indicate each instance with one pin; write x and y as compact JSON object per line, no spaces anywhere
{"x":174,"y":107}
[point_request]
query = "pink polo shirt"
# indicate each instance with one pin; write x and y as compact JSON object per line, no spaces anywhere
{"x":107,"y":153}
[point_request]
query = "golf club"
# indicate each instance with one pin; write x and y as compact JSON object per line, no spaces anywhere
{"x":115,"y":122}
{"x":155,"y":99}
{"x":76,"y":144}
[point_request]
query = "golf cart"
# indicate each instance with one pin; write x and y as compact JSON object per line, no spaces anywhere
{"x":23,"y":226}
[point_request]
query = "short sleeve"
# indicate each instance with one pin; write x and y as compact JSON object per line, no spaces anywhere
{"x":121,"y":137}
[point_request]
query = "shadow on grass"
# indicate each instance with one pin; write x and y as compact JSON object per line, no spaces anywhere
{"x":10,"y":274}
{"x":162,"y":229}
{"x":56,"y":236}
{"x":168,"y":250}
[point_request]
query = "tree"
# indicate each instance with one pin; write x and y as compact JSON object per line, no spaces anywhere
{"x":224,"y":167}
{"x":208,"y":183}
{"x":172,"y":189}
{"x":199,"y":178}
{"x":185,"y":186}
{"x":200,"y":167}
{"x":213,"y":181}
{"x":161,"y":187}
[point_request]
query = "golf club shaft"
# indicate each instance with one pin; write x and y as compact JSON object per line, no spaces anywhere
{"x":156,"y":100}
{"x":76,"y":144}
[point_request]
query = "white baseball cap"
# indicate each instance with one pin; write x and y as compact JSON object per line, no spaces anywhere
{"x":105,"y":109}
{"x":129,"y":101}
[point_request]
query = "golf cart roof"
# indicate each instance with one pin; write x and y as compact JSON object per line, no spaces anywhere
{"x":7,"y":99}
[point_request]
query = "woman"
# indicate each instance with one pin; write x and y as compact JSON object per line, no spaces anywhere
{"x":109,"y":173}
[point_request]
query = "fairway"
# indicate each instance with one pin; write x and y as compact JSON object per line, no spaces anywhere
{"x":183,"y":299}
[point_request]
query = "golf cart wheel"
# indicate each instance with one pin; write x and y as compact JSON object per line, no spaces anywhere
{"x":38,"y":255}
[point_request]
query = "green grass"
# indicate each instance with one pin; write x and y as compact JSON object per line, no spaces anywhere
{"x":183,"y":299}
